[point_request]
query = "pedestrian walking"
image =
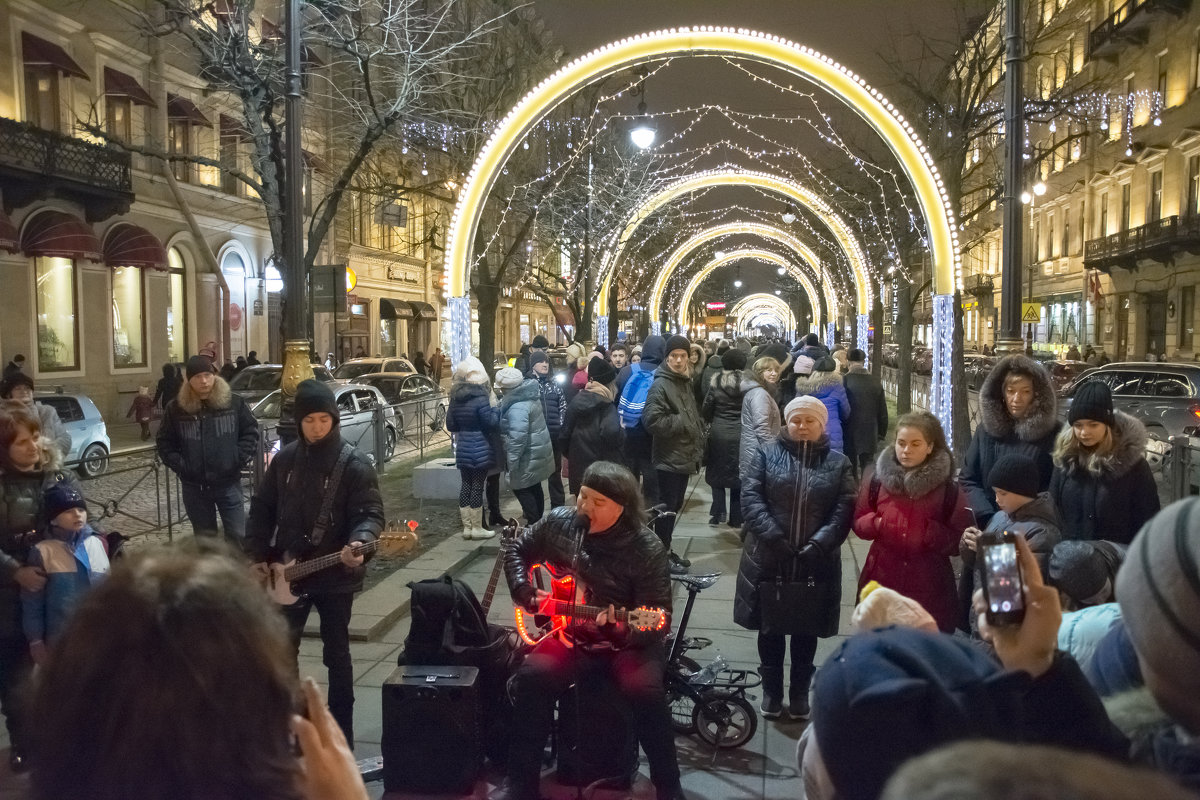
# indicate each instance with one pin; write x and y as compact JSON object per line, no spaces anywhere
{"x":913,"y":513}
{"x":437,"y":363}
{"x":633,"y":387}
{"x":591,"y":429}
{"x":419,"y":363}
{"x":1017,"y":415}
{"x":761,"y":418}
{"x":206,"y":436}
{"x":554,"y":406}
{"x":473,"y":422}
{"x":714,"y":365}
{"x":168,"y":385}
{"x":528,"y":451}
{"x":868,"y":422}
{"x":825,"y":384}
{"x":797,"y":502}
{"x":319,"y":497}
{"x":19,"y":387}
{"x":677,"y":438}
{"x":252,"y":359}
{"x":1102,"y":486}
{"x":142,"y":410}
{"x":722,"y":410}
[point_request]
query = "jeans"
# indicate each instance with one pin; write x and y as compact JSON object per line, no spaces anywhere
{"x":334,"y":611}
{"x":550,"y":669}
{"x":533,"y":502}
{"x":672,"y":488}
{"x":203,"y":503}
{"x":735,"y":504}
{"x":637,"y":457}
{"x":558,"y":495}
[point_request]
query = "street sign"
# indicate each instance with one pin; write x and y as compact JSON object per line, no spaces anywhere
{"x":328,"y":288}
{"x":715,"y":306}
{"x":1031,"y":312}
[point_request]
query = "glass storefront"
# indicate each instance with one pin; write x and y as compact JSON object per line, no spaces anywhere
{"x":57,"y":318}
{"x":176,"y":313}
{"x":128,"y":315}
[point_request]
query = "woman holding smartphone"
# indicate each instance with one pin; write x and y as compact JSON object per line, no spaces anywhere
{"x":913,"y":512}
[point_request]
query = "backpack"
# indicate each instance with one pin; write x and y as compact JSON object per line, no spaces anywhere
{"x":633,"y":396}
{"x":948,"y":498}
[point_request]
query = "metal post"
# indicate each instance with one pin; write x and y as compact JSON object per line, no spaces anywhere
{"x":1009,"y":337}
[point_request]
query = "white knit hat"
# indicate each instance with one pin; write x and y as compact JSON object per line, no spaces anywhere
{"x":509,"y":378}
{"x":807,"y":403}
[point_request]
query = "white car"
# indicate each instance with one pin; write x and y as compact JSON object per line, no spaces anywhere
{"x":356,"y":404}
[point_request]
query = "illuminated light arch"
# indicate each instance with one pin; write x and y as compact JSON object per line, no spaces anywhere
{"x":775,"y":51}
{"x":749,"y":307}
{"x":768,"y":232}
{"x":793,"y":191}
{"x":755,"y":320}
{"x":737,"y":255}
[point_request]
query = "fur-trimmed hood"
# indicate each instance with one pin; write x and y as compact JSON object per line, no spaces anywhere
{"x":731,"y":382}
{"x":915,"y":482}
{"x":190,"y":403}
{"x":993,"y":415}
{"x":1129,"y":447}
{"x":817,"y":381}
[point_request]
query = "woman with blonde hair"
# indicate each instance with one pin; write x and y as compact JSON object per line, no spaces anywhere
{"x":760,"y":409}
{"x":1102,"y":485}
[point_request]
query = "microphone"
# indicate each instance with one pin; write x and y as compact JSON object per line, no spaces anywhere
{"x":582,"y":523}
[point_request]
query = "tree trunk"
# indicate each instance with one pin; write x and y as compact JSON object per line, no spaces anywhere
{"x":487,"y":300}
{"x":961,"y":435}
{"x":904,"y":337}
{"x":583,"y":317}
{"x":613,"y":313}
{"x":877,"y":343}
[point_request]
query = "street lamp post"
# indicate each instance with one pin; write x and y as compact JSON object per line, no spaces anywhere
{"x":1009,"y":339}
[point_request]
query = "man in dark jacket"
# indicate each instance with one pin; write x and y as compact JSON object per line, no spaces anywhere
{"x":207,"y":435}
{"x":554,"y":404}
{"x":622,"y":565}
{"x":868,"y":423}
{"x":1017,"y":415}
{"x":320,"y":497}
{"x":673,"y":421}
{"x":638,"y":452}
{"x":591,"y":430}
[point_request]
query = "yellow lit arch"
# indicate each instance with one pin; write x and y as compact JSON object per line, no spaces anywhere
{"x":737,"y":255}
{"x":750,"y":305}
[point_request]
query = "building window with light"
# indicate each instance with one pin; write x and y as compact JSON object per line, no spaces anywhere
{"x":1187,"y":317}
{"x":1066,"y":233}
{"x":1154,"y":208}
{"x":1104,"y":214}
{"x":128,"y":317}
{"x":118,"y":118}
{"x":57,"y":317}
{"x":179,"y":142}
{"x":1125,"y":205}
{"x":176,"y":306}
{"x":1193,"y":185}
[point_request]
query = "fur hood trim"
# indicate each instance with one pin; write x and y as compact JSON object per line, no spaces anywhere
{"x":993,"y":414}
{"x":219,"y":397}
{"x":730,"y":382}
{"x":817,"y":381}
{"x":1129,"y":447}
{"x":915,"y":482}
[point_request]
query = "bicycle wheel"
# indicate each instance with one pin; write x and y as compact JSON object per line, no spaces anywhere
{"x":724,"y":719}
{"x":682,"y":706}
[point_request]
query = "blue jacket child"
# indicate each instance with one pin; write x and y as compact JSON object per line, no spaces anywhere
{"x":74,"y":558}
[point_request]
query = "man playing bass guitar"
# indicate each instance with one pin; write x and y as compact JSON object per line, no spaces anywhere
{"x":604,"y":544}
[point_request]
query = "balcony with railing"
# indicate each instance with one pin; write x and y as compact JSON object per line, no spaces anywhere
{"x":36,"y":163}
{"x":979,"y":284}
{"x":1130,"y":24}
{"x":1161,"y":241}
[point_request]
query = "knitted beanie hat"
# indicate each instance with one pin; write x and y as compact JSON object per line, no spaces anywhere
{"x":1092,"y":401}
{"x":1015,"y":473}
{"x":809,"y":404}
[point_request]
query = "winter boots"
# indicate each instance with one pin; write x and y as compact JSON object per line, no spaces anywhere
{"x":799,"y":682}
{"x":772,"y":692}
{"x":472,"y":529}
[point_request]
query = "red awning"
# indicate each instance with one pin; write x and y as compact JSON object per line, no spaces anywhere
{"x":9,"y":240}
{"x":133,"y":246}
{"x":180,"y":108}
{"x":118,"y":84}
{"x":56,"y":234}
{"x":39,"y":52}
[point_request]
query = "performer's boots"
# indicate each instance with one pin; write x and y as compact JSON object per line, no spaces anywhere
{"x":798,"y":685}
{"x":772,"y":691}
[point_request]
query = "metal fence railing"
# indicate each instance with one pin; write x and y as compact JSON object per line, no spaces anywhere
{"x":132,"y":492}
{"x":922,"y":391}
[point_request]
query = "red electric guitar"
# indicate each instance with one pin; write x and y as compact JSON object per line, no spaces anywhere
{"x":565,"y":603}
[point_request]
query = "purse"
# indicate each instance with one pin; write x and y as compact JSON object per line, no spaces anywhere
{"x":801,"y":606}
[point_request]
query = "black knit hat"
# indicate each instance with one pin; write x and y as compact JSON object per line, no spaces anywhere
{"x":540,"y":341}
{"x":536,"y":357}
{"x":678,"y":342}
{"x":13,"y":381}
{"x":61,"y":496}
{"x":733,"y":359}
{"x":826,"y":364}
{"x":1016,"y":474}
{"x":198,"y":365}
{"x":1078,"y":570}
{"x":1092,"y":401}
{"x":313,"y":397}
{"x":601,"y":371}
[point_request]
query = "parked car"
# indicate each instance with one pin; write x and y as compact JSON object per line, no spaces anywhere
{"x":406,"y":391}
{"x":356,"y":404}
{"x":90,"y":444}
{"x":922,"y":361}
{"x":976,"y":368}
{"x":256,"y":382}
{"x":1164,"y":396}
{"x":355,"y":368}
{"x":1064,"y":373}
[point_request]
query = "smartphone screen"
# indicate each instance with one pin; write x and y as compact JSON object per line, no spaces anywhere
{"x":1002,"y":580}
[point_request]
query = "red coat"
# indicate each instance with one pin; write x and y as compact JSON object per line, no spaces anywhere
{"x":912,"y":537}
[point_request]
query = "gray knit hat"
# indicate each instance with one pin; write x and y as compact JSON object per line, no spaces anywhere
{"x":1158,"y":589}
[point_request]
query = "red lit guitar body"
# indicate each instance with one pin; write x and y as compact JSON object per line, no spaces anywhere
{"x":566,"y":602}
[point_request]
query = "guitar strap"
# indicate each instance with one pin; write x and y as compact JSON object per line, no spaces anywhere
{"x":325,"y":517}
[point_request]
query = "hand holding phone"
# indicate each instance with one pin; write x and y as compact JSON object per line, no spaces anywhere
{"x":1000,"y":577}
{"x":1028,"y":645}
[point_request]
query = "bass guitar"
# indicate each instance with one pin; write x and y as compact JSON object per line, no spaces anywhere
{"x":507,"y":536}
{"x":394,"y":541}
{"x":564,"y":605}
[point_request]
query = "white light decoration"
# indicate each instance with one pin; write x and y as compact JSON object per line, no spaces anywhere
{"x":460,"y":328}
{"x":656,"y":328}
{"x":863,"y":343}
{"x":719,"y":254}
{"x":602,"y":332}
{"x":767,"y":256}
{"x":777,"y":291}
{"x":942,"y":396}
{"x":830,"y":334}
{"x":781,"y":271}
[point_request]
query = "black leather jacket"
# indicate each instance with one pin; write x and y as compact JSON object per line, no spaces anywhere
{"x":625,"y":566}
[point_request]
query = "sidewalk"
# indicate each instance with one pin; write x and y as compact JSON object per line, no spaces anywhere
{"x":764,"y":768}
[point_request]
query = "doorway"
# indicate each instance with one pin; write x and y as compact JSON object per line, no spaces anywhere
{"x":1122,"y":327}
{"x":1156,"y":323}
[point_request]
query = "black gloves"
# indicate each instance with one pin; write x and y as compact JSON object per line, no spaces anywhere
{"x":781,"y":548}
{"x":526,"y":597}
{"x":808,"y":557}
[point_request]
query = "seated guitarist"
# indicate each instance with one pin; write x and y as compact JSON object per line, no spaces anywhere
{"x":288,"y":518}
{"x":605,"y":544}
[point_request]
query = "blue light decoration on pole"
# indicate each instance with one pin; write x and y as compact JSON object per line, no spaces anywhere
{"x":602,"y":331}
{"x":460,"y":328}
{"x":942,"y":396}
{"x":864,"y":321}
{"x":830,"y":333}
{"x":656,"y":328}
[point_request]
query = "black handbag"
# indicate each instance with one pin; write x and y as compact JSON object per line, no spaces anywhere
{"x":802,"y":606}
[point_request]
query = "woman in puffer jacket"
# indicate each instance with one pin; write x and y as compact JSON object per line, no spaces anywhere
{"x":472,"y":419}
{"x":722,"y":410}
{"x":1102,"y":485}
{"x":914,"y":513}
{"x":825,"y":384}
{"x":526,"y":438}
{"x":591,"y":430}
{"x":760,"y":409}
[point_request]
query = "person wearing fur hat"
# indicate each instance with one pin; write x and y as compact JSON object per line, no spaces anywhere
{"x":826,"y":384}
{"x":554,"y":406}
{"x":1102,"y":485}
{"x":1017,"y":414}
{"x":722,"y":410}
{"x":206,"y":436}
{"x":319,"y":496}
{"x":913,"y":513}
{"x":473,"y":422}
{"x":797,"y":502}
{"x":591,"y":429}
{"x":673,"y":422}
{"x":698,"y":360}
{"x":528,"y":452}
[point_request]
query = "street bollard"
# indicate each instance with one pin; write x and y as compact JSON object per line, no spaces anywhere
{"x":379,"y":429}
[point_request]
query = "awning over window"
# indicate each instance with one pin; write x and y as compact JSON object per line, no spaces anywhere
{"x":394,"y":309}
{"x":118,"y":84}
{"x":180,"y":108}
{"x":55,"y":234}
{"x":314,"y":162}
{"x":423,"y":310}
{"x":40,"y":53}
{"x":134,"y":246}
{"x":9,"y":240}
{"x":231,"y":126}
